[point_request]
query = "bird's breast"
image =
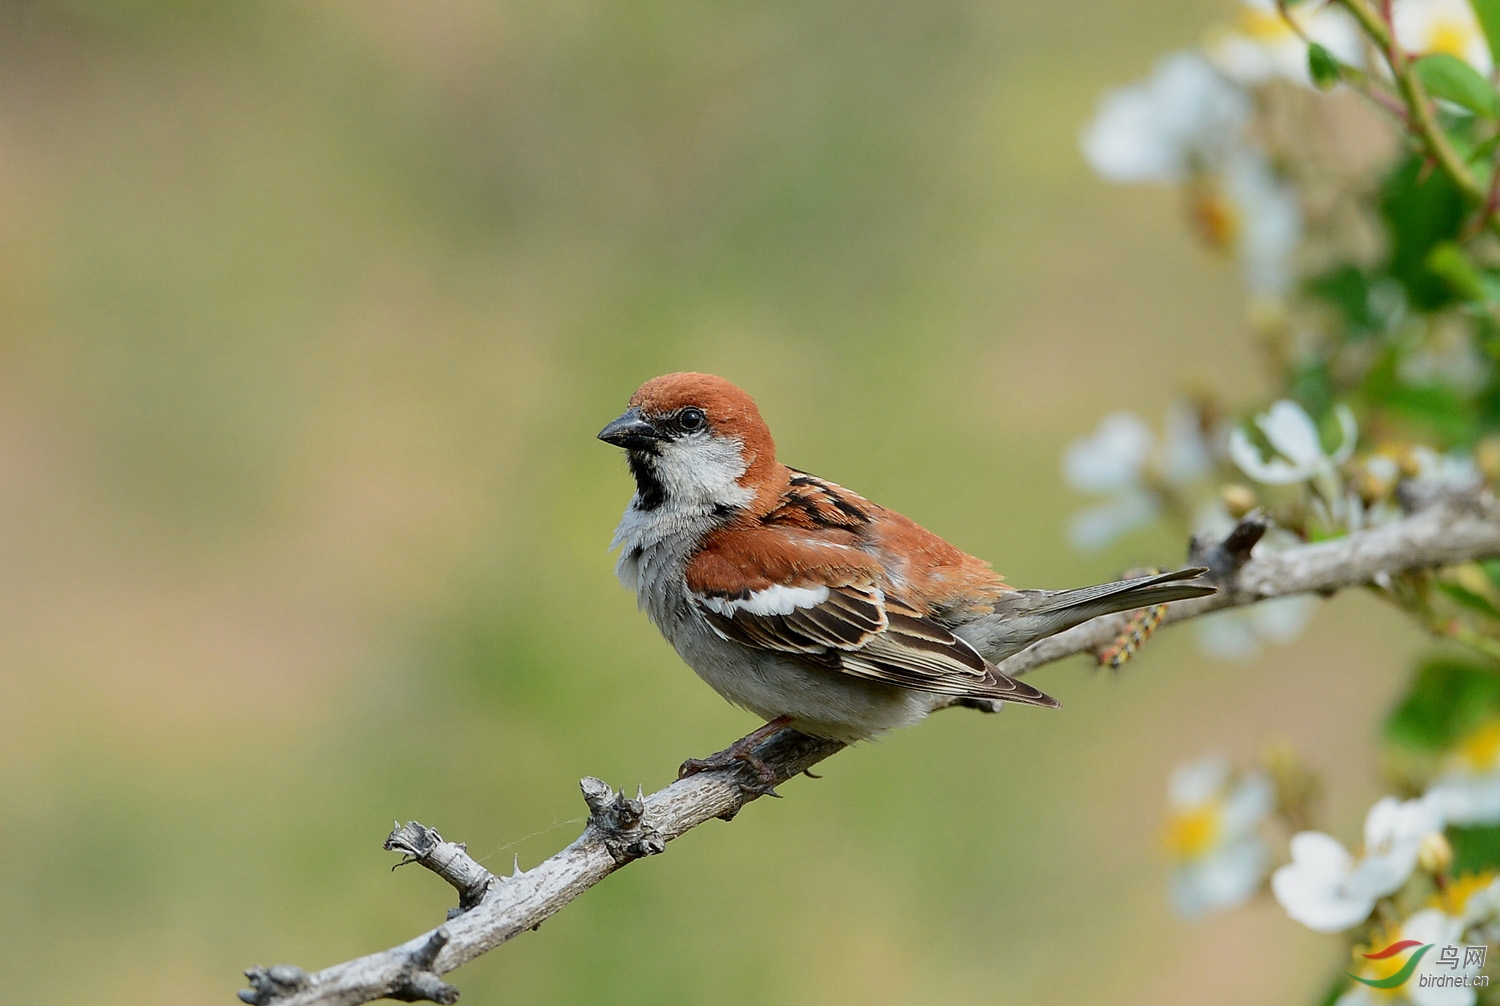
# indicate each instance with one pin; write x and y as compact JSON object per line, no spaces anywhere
{"x":655,"y":546}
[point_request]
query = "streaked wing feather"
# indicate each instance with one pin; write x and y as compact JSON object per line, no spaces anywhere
{"x":921,"y":636}
{"x":861,"y":632}
{"x":839,"y":627}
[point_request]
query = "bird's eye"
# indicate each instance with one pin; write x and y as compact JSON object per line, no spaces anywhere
{"x":691,"y":419}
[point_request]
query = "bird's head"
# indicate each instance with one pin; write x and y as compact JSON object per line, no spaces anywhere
{"x":693,"y":440}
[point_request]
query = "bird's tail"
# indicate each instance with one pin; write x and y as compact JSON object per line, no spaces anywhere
{"x":1084,"y":603}
{"x":1022,"y":618}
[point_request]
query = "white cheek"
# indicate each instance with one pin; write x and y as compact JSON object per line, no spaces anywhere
{"x":703,"y":469}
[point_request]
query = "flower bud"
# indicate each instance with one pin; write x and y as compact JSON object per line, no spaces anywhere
{"x":1487,"y":458}
{"x":1371,"y":487}
{"x":1410,"y":466}
{"x":1435,"y":855}
{"x":1237,"y":499}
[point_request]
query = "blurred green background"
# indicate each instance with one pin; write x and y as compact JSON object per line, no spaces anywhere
{"x":310,"y":314}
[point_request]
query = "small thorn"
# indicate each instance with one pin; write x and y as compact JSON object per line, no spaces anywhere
{"x":515,"y":869}
{"x":640,"y":794}
{"x":811,"y":774}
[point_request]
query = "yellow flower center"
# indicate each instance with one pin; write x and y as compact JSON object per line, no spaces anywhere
{"x":1191,"y":833}
{"x":1216,"y":218}
{"x":1261,"y":25}
{"x":1454,"y":898}
{"x":1380,"y":938}
{"x":1449,"y":35}
{"x":1480,"y":750}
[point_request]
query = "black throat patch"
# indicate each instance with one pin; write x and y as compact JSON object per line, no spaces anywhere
{"x":649,"y":491}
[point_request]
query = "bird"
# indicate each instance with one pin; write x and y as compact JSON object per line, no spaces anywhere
{"x":807,"y":604}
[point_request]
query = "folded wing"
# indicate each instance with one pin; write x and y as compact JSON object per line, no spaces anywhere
{"x":824,"y":606}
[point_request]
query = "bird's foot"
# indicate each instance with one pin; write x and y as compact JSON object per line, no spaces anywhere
{"x":754,"y":776}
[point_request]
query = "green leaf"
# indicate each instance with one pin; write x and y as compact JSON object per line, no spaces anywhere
{"x":1467,"y":598}
{"x":1487,"y":398}
{"x":1438,"y":407}
{"x":1438,"y":410}
{"x":1311,"y":386}
{"x":1448,"y":699}
{"x":1477,"y":286}
{"x":1348,"y":289}
{"x":1483,"y":151}
{"x":1335,"y":992}
{"x":1488,"y":12}
{"x":1450,"y":262}
{"x":1423,"y":209}
{"x":1323,"y":67}
{"x":1474,"y":849}
{"x":1448,"y":77}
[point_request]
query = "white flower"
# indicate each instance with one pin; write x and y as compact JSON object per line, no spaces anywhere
{"x":1474,"y":899}
{"x":1119,"y":460}
{"x":1294,"y":437}
{"x":1111,"y":461}
{"x":1429,"y":926}
{"x":1434,"y":926}
{"x":1164,"y":129}
{"x":1448,"y":356}
{"x":1239,"y":633}
{"x":1299,"y":456}
{"x":1326,"y":888}
{"x":1455,"y":470}
{"x":1219,"y":859}
{"x":1188,"y":124}
{"x":1185,"y":455}
{"x":1379,"y":477}
{"x":1468,"y":790}
{"x":1261,"y":45}
{"x":1247,"y":210}
{"x":1113,"y":458}
{"x":1429,"y":26}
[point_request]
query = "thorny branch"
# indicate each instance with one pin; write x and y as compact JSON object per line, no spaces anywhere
{"x":1441,"y":531}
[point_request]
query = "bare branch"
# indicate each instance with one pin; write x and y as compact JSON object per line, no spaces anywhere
{"x":418,"y":843}
{"x":1450,"y":529}
{"x":1446,"y":530}
{"x":619,"y":831}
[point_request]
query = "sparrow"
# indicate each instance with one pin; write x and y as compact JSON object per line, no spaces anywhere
{"x":806,"y":603}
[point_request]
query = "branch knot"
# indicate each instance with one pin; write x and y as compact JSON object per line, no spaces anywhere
{"x":1224,"y":557}
{"x":418,"y":982}
{"x":272,"y":983}
{"x":618,"y":820}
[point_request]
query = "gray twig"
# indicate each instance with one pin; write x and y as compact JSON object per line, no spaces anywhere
{"x":420,"y":844}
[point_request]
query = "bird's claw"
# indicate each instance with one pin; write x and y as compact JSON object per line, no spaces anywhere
{"x":695,"y":765}
{"x":754,"y":776}
{"x":763,"y":782}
